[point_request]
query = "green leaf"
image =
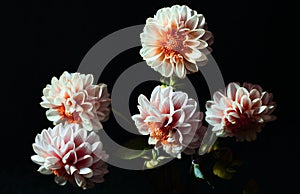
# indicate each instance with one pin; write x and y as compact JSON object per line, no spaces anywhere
{"x":219,"y":169}
{"x":233,"y":166}
{"x":122,"y":116}
{"x":226,"y":169}
{"x":130,"y":154}
{"x":137,"y":147}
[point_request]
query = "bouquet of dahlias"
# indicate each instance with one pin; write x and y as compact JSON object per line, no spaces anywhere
{"x":175,"y":43}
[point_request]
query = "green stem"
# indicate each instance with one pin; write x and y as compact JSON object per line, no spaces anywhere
{"x":122,"y":117}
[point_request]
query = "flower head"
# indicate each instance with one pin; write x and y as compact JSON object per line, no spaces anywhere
{"x":71,"y":154}
{"x":170,"y":119}
{"x":240,"y":111}
{"x":74,"y":99}
{"x":175,"y":40}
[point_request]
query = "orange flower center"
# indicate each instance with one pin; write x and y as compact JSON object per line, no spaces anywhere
{"x":160,"y":133}
{"x":69,"y":117}
{"x":173,"y":45}
{"x":174,"y":42}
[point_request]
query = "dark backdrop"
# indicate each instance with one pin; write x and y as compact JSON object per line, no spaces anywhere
{"x":44,"y":39}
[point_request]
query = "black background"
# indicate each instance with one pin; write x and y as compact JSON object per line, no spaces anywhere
{"x":42,"y":40}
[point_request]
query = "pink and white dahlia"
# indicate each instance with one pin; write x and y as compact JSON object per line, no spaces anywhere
{"x":176,"y":41}
{"x":71,"y":154}
{"x":240,"y":111}
{"x":73,"y":98}
{"x":170,"y":119}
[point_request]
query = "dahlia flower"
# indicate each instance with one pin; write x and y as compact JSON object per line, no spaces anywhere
{"x":170,"y":119}
{"x":175,"y":41}
{"x":240,"y":111}
{"x":71,"y":154}
{"x":74,"y":99}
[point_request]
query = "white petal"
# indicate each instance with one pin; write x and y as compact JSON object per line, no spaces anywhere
{"x":80,"y":180}
{"x":148,"y":40}
{"x":266,"y":98}
{"x":85,"y":171}
{"x":185,"y":12}
{"x":254,"y":94}
{"x":167,"y":70}
{"x":201,"y":60}
{"x":152,"y":119}
{"x":40,"y":150}
{"x":193,"y":54}
{"x":256,"y":103}
{"x":260,"y":110}
{"x":189,"y":111}
{"x":180,"y":70}
{"x":152,"y":141}
{"x":44,"y":170}
{"x":70,"y":157}
{"x":179,"y":99}
{"x":53,"y":115}
{"x":201,"y":21}
{"x":155,"y":94}
{"x":217,"y":96}
{"x":148,"y":52}
{"x":152,"y":30}
{"x":197,"y":33}
{"x":213,"y":120}
{"x":166,"y":106}
{"x":192,"y":43}
{"x":192,"y":22}
{"x":207,"y":36}
{"x":231,"y":90}
{"x":60,"y":181}
{"x":246,"y":103}
{"x":38,"y":159}
{"x":239,"y":93}
{"x":178,"y":117}
{"x":86,"y":161}
{"x":191,"y":67}
{"x":202,"y":44}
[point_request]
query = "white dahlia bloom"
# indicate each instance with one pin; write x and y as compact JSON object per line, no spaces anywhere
{"x":171,"y":120}
{"x":240,"y":111}
{"x":73,"y":98}
{"x":71,"y":154}
{"x":175,"y":41}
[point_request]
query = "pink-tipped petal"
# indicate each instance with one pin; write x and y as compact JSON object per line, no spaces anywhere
{"x":173,"y":38}
{"x":241,"y":111}
{"x":60,"y":152}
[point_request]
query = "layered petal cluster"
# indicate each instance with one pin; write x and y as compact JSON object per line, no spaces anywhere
{"x":73,"y":98}
{"x":72,"y":154}
{"x":240,"y":111}
{"x":175,"y":41}
{"x":171,"y":120}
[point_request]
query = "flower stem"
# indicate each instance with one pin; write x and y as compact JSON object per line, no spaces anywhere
{"x":122,"y":117}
